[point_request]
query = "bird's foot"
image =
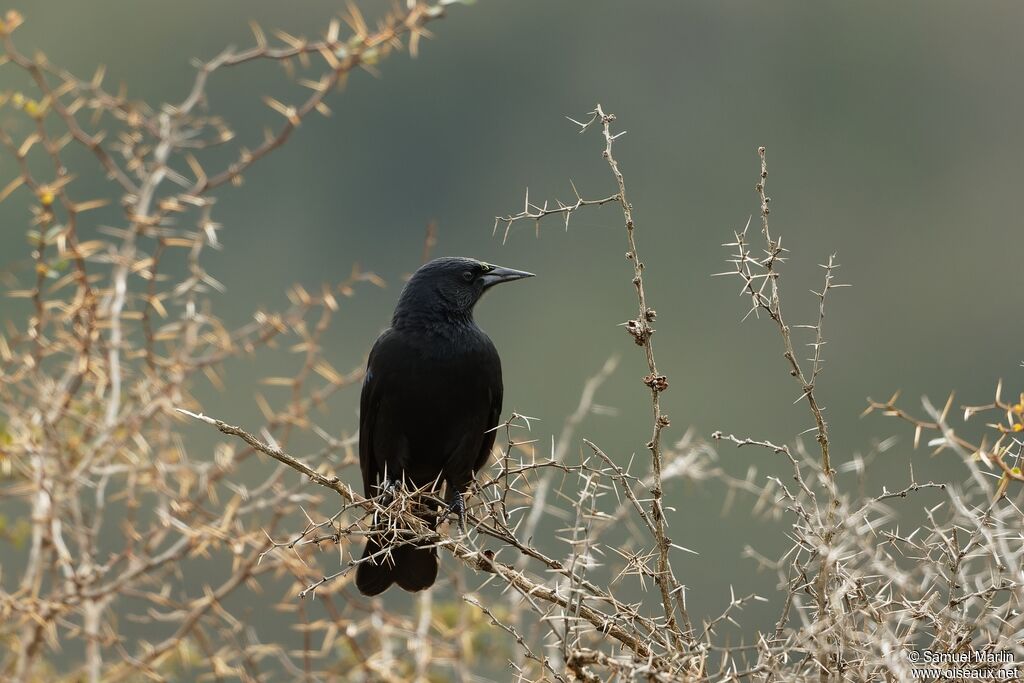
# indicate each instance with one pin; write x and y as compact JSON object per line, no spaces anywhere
{"x":457,"y":506}
{"x":387,"y":488}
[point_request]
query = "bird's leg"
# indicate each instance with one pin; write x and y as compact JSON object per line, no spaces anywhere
{"x":387,"y":490}
{"x":458,"y":506}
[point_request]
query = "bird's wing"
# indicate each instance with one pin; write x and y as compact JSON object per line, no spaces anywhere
{"x":369,"y":402}
{"x":496,"y":393}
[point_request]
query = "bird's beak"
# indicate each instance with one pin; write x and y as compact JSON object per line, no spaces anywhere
{"x":498,"y":274}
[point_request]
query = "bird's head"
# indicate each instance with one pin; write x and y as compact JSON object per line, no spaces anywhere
{"x":450,"y":286}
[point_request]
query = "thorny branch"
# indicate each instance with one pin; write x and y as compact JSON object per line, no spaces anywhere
{"x":672,"y":592}
{"x":407,"y":527}
{"x":760,"y":276}
{"x":537,"y":213}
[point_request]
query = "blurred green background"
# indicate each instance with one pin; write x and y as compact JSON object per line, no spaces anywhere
{"x":893,"y":135}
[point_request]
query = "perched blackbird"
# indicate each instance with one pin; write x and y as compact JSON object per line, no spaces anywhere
{"x":431,"y":399}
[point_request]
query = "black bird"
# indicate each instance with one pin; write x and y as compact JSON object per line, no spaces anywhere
{"x":431,"y":399}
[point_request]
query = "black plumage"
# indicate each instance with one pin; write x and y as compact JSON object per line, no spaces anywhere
{"x":431,"y":398}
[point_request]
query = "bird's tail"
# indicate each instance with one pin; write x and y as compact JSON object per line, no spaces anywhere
{"x":412,"y":567}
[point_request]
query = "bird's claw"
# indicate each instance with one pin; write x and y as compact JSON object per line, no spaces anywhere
{"x":458,"y":506}
{"x":388,"y":489}
{"x":387,"y":495}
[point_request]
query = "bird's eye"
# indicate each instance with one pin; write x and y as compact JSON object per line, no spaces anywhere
{"x":467,"y":276}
